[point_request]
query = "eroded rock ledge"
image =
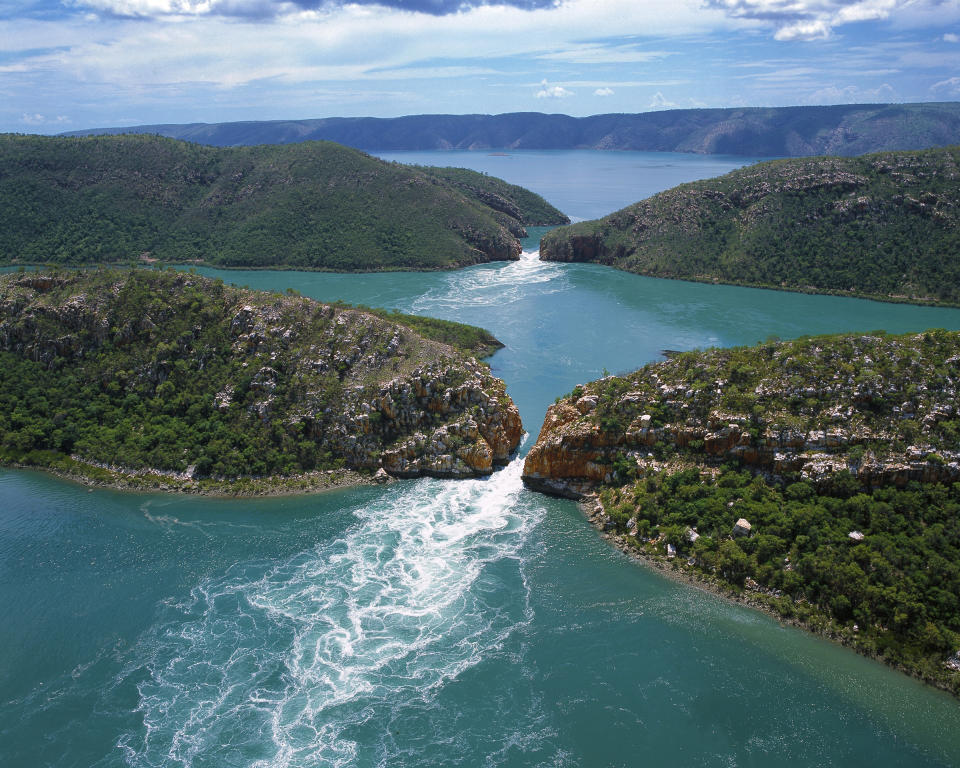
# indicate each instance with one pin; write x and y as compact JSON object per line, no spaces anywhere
{"x":877,"y":408}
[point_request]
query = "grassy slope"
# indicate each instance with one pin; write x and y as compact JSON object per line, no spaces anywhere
{"x":312,"y":205}
{"x":883,"y":225}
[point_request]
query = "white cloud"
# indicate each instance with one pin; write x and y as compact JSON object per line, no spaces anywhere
{"x":603,"y":91}
{"x":950,"y":37}
{"x":38,"y":119}
{"x":350,"y":42}
{"x":816,"y":19}
{"x":804,"y":30}
{"x":851,"y":94}
{"x":187,"y":8}
{"x":659,"y":101}
{"x":603,"y":54}
{"x":949,"y":87}
{"x":552,"y":91}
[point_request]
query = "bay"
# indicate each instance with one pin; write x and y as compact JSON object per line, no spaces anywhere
{"x":432,"y":622}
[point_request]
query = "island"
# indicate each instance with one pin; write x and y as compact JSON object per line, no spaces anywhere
{"x":818,"y":479}
{"x":315,"y":205}
{"x":146,"y":378}
{"x":882,"y":226}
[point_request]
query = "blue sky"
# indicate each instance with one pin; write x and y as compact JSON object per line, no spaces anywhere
{"x":70,"y":64}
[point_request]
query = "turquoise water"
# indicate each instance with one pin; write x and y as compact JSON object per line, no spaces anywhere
{"x":433,"y":622}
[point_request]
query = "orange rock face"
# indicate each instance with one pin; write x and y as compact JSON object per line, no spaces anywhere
{"x":569,"y":452}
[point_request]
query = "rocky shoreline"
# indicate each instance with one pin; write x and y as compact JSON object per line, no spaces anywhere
{"x":815,"y":480}
{"x":880,"y":408}
{"x":819,"y":225}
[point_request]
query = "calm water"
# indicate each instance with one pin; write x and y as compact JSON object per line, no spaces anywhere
{"x":433,"y":623}
{"x":584,"y":184}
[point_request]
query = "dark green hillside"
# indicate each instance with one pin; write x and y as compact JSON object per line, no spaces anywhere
{"x":840,"y":453}
{"x":315,"y":205}
{"x":168,"y":372}
{"x":518,"y":203}
{"x":883,"y":225}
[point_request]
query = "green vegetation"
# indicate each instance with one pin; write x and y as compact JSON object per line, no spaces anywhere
{"x":893,"y":594}
{"x":478,"y":342}
{"x":313,"y":205}
{"x":518,"y":203}
{"x":809,"y":441}
{"x":863,"y":402}
{"x":168,"y":371}
{"x":883,"y":226}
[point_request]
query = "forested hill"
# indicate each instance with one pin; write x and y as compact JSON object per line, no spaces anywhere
{"x":169,"y":375}
{"x":883,"y":226}
{"x":849,"y":129}
{"x":313,"y":205}
{"x":816,"y":477}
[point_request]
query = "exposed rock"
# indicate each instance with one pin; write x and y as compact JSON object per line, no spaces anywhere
{"x":807,"y":420}
{"x":366,"y":391}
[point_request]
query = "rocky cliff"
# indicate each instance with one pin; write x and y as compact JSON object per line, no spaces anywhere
{"x":883,"y":226}
{"x":875,"y":407}
{"x":177,"y":373}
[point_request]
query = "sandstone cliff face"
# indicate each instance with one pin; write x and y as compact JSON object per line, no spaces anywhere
{"x":367,"y":392}
{"x":879,"y":408}
{"x":441,"y":420}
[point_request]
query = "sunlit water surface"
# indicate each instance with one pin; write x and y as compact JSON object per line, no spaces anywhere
{"x":432,"y":622}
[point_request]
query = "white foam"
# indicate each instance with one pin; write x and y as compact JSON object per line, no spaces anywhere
{"x":285,"y":659}
{"x":500,"y":283}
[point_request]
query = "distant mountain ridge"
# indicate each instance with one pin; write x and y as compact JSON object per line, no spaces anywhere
{"x":849,"y":129}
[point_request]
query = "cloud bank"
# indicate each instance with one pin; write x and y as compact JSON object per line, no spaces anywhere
{"x":263,"y":9}
{"x":142,"y":61}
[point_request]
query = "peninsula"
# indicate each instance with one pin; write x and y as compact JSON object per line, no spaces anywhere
{"x":881,"y":226}
{"x":816,"y":478}
{"x":147,"y":378}
{"x":316,"y":205}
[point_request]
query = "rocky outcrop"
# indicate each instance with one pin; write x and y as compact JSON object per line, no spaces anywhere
{"x":322,"y":386}
{"x":441,"y":420}
{"x":877,"y":408}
